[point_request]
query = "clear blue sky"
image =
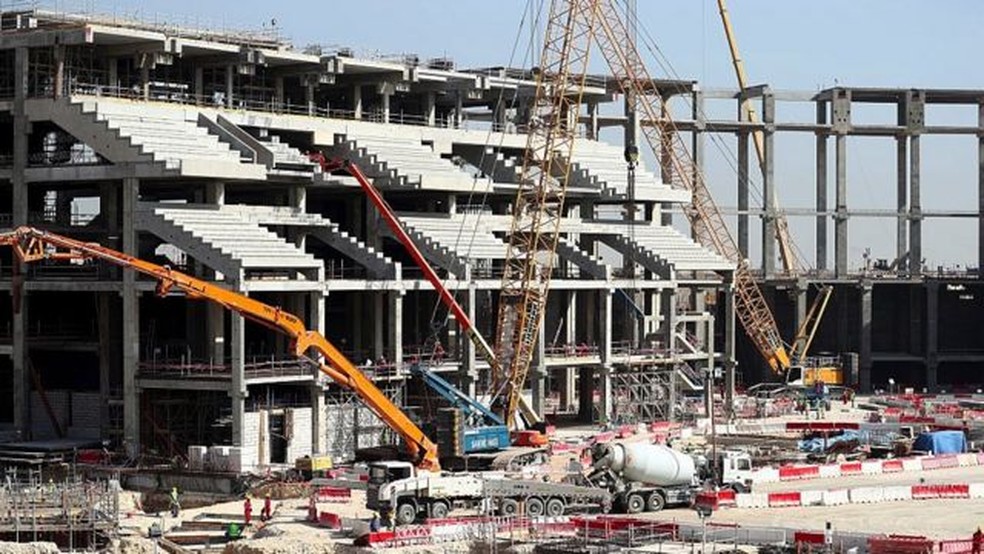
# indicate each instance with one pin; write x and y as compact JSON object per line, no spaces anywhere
{"x":791,"y":45}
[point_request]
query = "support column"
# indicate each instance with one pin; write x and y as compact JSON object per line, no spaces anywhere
{"x":538,"y":371}
{"x":316,"y":320}
{"x":468,"y":376}
{"x":864,"y":355}
{"x":567,"y":391}
{"x":131,"y":321}
{"x":237,"y":388}
{"x":59,"y":80}
{"x":395,"y":315}
{"x":459,"y":109}
{"x":230,"y":84}
{"x":709,"y":380}
{"x":902,"y":193}
{"x":278,"y":93}
{"x":18,"y":184}
{"x":309,"y":95}
{"x":586,"y":375}
{"x":113,"y":77}
{"x":932,"y":334}
{"x":104,"y":325}
{"x":357,"y":101}
{"x":728,"y":351}
{"x":915,"y":208}
{"x":800,"y":293}
{"x":385,"y":91}
{"x":821,"y":170}
{"x":378,"y":344}
{"x":841,"y":125}
{"x":743,"y":195}
{"x":145,"y":78}
{"x":592,"y":130}
{"x":840,"y":223}
{"x":768,"y":186}
{"x":980,"y":190}
{"x":430,"y":108}
{"x":605,"y":350}
{"x":199,"y":83}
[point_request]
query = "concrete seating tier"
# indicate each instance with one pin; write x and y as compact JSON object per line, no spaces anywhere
{"x":401,"y":161}
{"x":603,"y":165}
{"x":228,"y":231}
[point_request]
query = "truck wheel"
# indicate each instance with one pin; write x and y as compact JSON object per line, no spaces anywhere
{"x":508,"y":507}
{"x":534,"y":507}
{"x":656,"y":502}
{"x":555,"y":507}
{"x":406,"y":513}
{"x":634,"y":504}
{"x":439,"y":510}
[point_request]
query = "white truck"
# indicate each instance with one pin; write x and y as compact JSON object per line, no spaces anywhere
{"x":410,"y":495}
{"x":648,"y":477}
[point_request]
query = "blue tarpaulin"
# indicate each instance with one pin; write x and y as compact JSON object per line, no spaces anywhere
{"x":941,"y":442}
{"x":817,"y":445}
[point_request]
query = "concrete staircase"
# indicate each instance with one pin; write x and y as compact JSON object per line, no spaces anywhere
{"x":496,"y":164}
{"x":600,"y":165}
{"x":452,"y":241}
{"x":393,"y":161}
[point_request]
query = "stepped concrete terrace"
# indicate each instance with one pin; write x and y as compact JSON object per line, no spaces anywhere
{"x":225,"y":240}
{"x":603,"y":165}
{"x":400,"y":161}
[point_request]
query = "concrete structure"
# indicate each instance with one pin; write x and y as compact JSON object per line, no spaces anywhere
{"x":188,"y":147}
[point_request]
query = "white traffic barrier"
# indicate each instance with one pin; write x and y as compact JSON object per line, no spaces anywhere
{"x":866,"y":495}
{"x":766,"y":475}
{"x":752,"y":500}
{"x":967,"y":460}
{"x":830,"y":470}
{"x":897,"y":493}
{"x":811,"y":498}
{"x":976,"y":490}
{"x":912,"y":464}
{"x":871,"y":468}
{"x":835,"y":497}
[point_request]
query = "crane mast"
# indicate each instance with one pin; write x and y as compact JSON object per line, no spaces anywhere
{"x":32,"y":245}
{"x":706,"y":221}
{"x":539,"y":202}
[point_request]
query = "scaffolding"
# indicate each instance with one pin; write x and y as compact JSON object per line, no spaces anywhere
{"x":74,"y":514}
{"x":643,"y":395}
{"x":350,"y":426}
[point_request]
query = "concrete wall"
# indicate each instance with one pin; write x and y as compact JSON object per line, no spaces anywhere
{"x":300,"y":441}
{"x":251,"y":440}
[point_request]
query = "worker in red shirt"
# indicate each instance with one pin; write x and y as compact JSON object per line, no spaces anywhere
{"x":247,"y":511}
{"x":267,"y":511}
{"x":978,"y":541}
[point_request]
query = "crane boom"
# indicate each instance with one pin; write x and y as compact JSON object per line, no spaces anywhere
{"x":30,"y":245}
{"x":706,"y":222}
{"x":539,"y":202}
{"x":787,"y":254}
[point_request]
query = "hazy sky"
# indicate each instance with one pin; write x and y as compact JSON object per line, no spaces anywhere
{"x":800,"y":44}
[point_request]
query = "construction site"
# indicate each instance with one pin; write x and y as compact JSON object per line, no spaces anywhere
{"x":393,"y":303}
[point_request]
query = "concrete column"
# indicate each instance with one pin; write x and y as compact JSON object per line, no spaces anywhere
{"x":430,"y":108}
{"x":385,"y":99}
{"x":743,"y":194}
{"x":864,"y":355}
{"x":932,"y":334}
{"x":728,"y":350}
{"x":840,"y":224}
{"x":378,"y":342}
{"x":145,"y":79}
{"x":18,"y":184}
{"x":131,"y":321}
{"x":980,"y":190}
{"x":800,"y":293}
{"x":605,"y":403}
{"x":230,"y":84}
{"x":278,"y":92}
{"x":821,"y":170}
{"x":199,"y":84}
{"x":316,"y":320}
{"x":309,"y":97}
{"x":538,"y":371}
{"x":395,"y":316}
{"x":915,"y":208}
{"x":567,"y":379}
{"x":668,"y":308}
{"x":709,"y":381}
{"x":113,"y":77}
{"x":59,"y":80}
{"x":902,"y":193}
{"x":768,"y":186}
{"x":357,"y":101}
{"x":459,"y":109}
{"x":237,"y":359}
{"x":499,"y":116}
{"x":468,"y":375}
{"x":592,"y":130}
{"x":104,"y":325}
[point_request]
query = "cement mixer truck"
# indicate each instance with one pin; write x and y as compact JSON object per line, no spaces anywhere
{"x":648,"y":477}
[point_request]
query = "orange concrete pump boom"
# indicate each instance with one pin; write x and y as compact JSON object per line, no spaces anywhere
{"x":31,"y":245}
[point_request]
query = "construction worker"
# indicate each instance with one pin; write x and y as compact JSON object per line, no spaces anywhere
{"x":175,"y":505}
{"x":267,"y":512}
{"x":247,"y":511}
{"x":978,"y":540}
{"x":374,"y":523}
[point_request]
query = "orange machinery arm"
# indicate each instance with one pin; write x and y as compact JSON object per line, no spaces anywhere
{"x":31,"y":245}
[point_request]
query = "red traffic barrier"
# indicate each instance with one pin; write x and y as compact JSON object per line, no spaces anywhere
{"x":851,"y":468}
{"x":784,"y":499}
{"x":808,"y":537}
{"x":793,"y":473}
{"x":924,"y":492}
{"x":888,"y":466}
{"x":329,"y":520}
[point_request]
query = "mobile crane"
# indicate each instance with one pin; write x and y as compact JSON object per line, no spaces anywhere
{"x":32,"y":245}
